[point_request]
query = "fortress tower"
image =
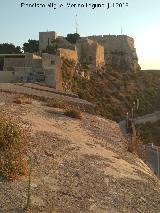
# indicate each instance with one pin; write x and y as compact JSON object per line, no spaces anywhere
{"x":45,"y":39}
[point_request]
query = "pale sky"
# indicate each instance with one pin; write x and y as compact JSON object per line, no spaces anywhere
{"x":140,"y":20}
{"x":148,"y":48}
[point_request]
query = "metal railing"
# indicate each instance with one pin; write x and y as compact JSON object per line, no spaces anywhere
{"x":151,"y":152}
{"x":152,"y":155}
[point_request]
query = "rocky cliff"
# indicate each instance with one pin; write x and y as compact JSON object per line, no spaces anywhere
{"x":119,"y":51}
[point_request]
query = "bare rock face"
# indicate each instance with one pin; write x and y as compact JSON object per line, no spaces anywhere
{"x":119,"y":51}
{"x":127,"y":61}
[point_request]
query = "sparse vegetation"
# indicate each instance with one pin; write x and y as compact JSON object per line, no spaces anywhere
{"x":13,"y":145}
{"x":22,"y":99}
{"x":57,"y":103}
{"x":150,"y":132}
{"x":69,"y":106}
{"x":74,"y":114}
{"x":113,"y":91}
{"x":135,"y":146}
{"x":65,"y":152}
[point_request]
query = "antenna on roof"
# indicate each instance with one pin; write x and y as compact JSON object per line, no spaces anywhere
{"x":76,"y":23}
{"x":121,"y":30}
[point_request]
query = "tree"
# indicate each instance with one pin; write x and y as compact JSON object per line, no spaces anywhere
{"x":7,"y":48}
{"x":31,"y":46}
{"x":72,"y":38}
{"x":52,"y":49}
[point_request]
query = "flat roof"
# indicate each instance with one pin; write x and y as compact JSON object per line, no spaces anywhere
{"x":12,"y":56}
{"x":48,"y":32}
{"x":21,"y":54}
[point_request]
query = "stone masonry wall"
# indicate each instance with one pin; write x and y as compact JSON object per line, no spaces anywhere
{"x":119,"y":51}
{"x":113,"y":43}
{"x":58,"y":73}
{"x":13,"y":62}
{"x":51,"y":65}
{"x":45,"y":39}
{"x":68,"y":54}
{"x":90,"y":52}
{"x":48,"y":65}
{"x":99,"y":55}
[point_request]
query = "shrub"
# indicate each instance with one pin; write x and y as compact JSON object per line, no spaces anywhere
{"x":135,"y":146}
{"x":150,"y":132}
{"x":13,"y":144}
{"x":57,"y":103}
{"x":22,"y":99}
{"x":74,"y":114}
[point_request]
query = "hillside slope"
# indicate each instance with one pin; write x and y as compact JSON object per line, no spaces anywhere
{"x":113,"y":91}
{"x":78,"y":165}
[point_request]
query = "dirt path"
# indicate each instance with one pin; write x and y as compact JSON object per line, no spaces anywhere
{"x":41,"y":94}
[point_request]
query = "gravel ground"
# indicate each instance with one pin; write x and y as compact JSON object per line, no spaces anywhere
{"x":41,"y":93}
{"x":78,"y":166}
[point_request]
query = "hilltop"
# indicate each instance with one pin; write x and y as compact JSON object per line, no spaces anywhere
{"x":79,"y":165}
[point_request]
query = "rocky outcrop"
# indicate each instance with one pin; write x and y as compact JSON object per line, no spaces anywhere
{"x":119,"y":51}
{"x":78,"y":165}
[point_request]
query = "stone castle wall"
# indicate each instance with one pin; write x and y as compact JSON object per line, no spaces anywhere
{"x":63,"y":43}
{"x":119,"y":51}
{"x":95,"y":51}
{"x":51,"y":65}
{"x":99,"y":56}
{"x":90,"y":52}
{"x":68,"y":54}
{"x":58,"y":74}
{"x":115,"y":50}
{"x":113,"y":43}
{"x":7,"y":77}
{"x":48,"y":65}
{"x":13,"y":62}
{"x":45,"y":39}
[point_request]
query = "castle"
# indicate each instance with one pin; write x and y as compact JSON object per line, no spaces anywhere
{"x":94,"y":51}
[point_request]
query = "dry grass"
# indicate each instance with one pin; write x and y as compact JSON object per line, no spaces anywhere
{"x":13,"y":144}
{"x":135,"y":146}
{"x":22,"y":99}
{"x":150,"y":132}
{"x":74,"y":114}
{"x":57,"y":103}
